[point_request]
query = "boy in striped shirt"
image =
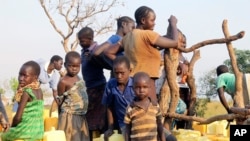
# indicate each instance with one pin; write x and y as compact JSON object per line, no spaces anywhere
{"x":143,"y":116}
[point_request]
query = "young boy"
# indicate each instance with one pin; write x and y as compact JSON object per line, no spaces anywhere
{"x":93,"y":75}
{"x":143,"y":116}
{"x":118,"y":92}
{"x":226,"y":83}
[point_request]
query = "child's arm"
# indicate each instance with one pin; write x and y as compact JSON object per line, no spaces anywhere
{"x":112,"y":50}
{"x":127,"y":132}
{"x":109,"y":132}
{"x":5,"y":125}
{"x":223,"y":99}
{"x":160,"y":129}
{"x":61,"y":87}
{"x":17,"y":118}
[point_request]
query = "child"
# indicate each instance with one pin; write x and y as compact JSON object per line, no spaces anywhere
{"x":93,"y":75}
{"x":143,"y":116}
{"x":73,"y":101}
{"x":4,"y":121}
{"x":27,"y":124}
{"x":141,"y":45}
{"x":125,"y":24}
{"x":225,"y":83}
{"x":118,"y":94}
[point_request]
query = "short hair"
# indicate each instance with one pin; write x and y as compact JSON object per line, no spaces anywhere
{"x":55,"y":58}
{"x":86,"y":32}
{"x":122,"y":19}
{"x":35,"y":67}
{"x":71,"y":54}
{"x":140,"y":75}
{"x":142,"y":12}
{"x":221,"y":69}
{"x":122,"y":59}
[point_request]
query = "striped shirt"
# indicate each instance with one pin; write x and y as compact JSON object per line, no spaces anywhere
{"x":143,"y":122}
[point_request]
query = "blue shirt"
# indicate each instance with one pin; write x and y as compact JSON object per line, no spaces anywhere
{"x":92,"y":73}
{"x":113,"y":96}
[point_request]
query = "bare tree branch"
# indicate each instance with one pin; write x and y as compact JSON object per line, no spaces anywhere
{"x":213,"y":41}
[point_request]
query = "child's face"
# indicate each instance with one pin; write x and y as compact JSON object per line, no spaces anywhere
{"x":149,"y":21}
{"x":73,"y":66}
{"x":85,"y":42}
{"x":141,"y":88}
{"x":121,"y":73}
{"x":58,"y":64}
{"x":26,"y":76}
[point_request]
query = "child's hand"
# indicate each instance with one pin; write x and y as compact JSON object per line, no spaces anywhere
{"x":172,"y":20}
{"x":5,"y":126}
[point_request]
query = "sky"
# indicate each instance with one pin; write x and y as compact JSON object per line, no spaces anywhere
{"x":26,"y":33}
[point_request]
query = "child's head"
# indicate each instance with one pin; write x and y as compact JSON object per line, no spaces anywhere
{"x":85,"y":37}
{"x":72,"y":63}
{"x":221,"y":69}
{"x":121,"y":69}
{"x":29,"y":72}
{"x":125,"y":23}
{"x":141,"y":85}
{"x":145,"y":17}
{"x":57,"y":61}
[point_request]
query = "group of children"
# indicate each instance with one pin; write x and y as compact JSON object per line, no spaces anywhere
{"x":127,"y":100}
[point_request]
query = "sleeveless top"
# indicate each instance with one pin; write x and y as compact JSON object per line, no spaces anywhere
{"x":75,"y":99}
{"x":31,"y":127}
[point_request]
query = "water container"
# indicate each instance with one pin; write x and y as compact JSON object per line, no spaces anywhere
{"x":202,"y":128}
{"x":211,"y":128}
{"x":223,"y":139}
{"x":54,"y":135}
{"x":45,"y":114}
{"x":50,"y":122}
{"x":220,"y":128}
{"x":54,"y":114}
{"x":114,"y":137}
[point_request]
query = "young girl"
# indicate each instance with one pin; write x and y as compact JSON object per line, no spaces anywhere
{"x":27,"y":124}
{"x":73,"y":101}
{"x":142,"y":44}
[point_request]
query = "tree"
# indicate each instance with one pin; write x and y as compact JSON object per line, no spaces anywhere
{"x":243,"y":61}
{"x":77,"y":14}
{"x":2,"y":91}
{"x":13,"y":84}
{"x":207,"y":84}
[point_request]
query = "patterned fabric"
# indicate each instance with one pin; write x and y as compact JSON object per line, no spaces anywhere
{"x":143,"y":122}
{"x":31,"y":127}
{"x":96,"y":114}
{"x":72,"y":113}
{"x":74,"y":126}
{"x":19,"y":92}
{"x":75,"y":99}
